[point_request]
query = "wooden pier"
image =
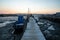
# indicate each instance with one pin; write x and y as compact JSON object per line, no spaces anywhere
{"x":32,"y":31}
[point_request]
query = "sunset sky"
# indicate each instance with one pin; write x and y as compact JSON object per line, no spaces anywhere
{"x":35,"y":6}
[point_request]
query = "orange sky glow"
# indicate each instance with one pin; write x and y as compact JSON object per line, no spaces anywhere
{"x":9,"y":11}
{"x":35,"y":6}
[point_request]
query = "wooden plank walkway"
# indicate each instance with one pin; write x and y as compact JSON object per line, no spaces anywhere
{"x":33,"y":32}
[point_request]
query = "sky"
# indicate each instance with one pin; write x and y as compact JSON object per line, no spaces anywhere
{"x":35,"y":6}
